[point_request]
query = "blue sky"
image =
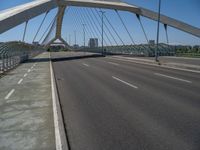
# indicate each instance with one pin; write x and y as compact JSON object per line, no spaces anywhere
{"x":184,"y":10}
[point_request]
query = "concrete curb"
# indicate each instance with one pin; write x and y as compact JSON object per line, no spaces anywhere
{"x":60,"y":135}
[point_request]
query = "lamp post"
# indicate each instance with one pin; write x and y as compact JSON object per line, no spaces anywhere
{"x":102,"y":33}
{"x":84,"y":34}
{"x":158,"y":29}
{"x":69,"y":39}
{"x":74,"y":37}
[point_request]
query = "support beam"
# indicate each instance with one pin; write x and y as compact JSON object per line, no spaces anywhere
{"x":10,"y":18}
{"x":136,"y":10}
{"x":61,"y":11}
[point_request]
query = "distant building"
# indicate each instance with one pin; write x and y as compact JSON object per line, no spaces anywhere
{"x":151,"y":42}
{"x":93,"y":42}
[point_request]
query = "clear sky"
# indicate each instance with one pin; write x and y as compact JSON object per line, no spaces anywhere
{"x":184,"y":10}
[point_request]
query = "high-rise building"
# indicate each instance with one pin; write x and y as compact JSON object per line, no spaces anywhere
{"x":93,"y":42}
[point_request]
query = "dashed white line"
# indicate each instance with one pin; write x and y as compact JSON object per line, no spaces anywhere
{"x":86,"y":65}
{"x":129,"y":84}
{"x":25,"y":74}
{"x":20,"y":81}
{"x":170,"y":77}
{"x":9,"y":94}
{"x":29,"y":70}
{"x":112,"y":63}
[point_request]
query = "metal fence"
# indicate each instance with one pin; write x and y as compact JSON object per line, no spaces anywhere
{"x":137,"y":50}
{"x":14,"y":53}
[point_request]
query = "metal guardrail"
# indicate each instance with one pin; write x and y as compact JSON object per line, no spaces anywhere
{"x":137,"y":50}
{"x":14,"y":53}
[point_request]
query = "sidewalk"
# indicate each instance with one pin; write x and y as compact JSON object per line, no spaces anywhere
{"x":26,"y":113}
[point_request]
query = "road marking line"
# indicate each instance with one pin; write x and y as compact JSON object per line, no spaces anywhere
{"x":25,"y":74}
{"x":129,"y":84}
{"x":32,"y":67}
{"x":20,"y":81}
{"x":10,"y":101}
{"x":61,"y":143}
{"x":112,"y":63}
{"x":29,"y":70}
{"x":170,"y":77}
{"x":10,"y":93}
{"x":155,"y":65}
{"x":86,"y":65}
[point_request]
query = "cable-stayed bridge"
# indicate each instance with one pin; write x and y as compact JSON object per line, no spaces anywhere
{"x":86,"y":100}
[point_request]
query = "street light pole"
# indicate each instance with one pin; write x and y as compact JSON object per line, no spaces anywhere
{"x":75,"y":37}
{"x":84,"y":34}
{"x":102,"y":34}
{"x":158,"y":30}
{"x":69,"y":39}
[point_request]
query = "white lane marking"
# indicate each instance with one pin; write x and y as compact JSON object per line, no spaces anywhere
{"x":10,"y":101}
{"x":170,"y":77}
{"x":25,"y":74}
{"x":60,"y":145}
{"x":129,"y":84}
{"x":32,"y":67}
{"x":112,"y":63}
{"x":9,"y":94}
{"x":29,"y":70}
{"x":20,"y":81}
{"x":162,"y":66}
{"x":86,"y":65}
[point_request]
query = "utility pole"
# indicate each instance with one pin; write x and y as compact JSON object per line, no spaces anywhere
{"x":102,"y":34}
{"x":158,"y":30}
{"x":84,"y":34}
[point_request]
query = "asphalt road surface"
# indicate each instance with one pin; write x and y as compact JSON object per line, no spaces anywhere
{"x":110,"y":104}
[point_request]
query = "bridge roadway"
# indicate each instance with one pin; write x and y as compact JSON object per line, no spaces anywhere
{"x":114,"y":104}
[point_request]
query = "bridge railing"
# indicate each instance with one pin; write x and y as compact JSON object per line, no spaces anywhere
{"x":14,"y":53}
{"x":136,"y":50}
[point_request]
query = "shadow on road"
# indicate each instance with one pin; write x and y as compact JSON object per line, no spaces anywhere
{"x":68,"y":58}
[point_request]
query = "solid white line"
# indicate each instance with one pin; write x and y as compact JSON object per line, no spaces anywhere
{"x":129,"y":84}
{"x":20,"y":81}
{"x":9,"y":94}
{"x":86,"y":65}
{"x":112,"y":63}
{"x":29,"y":70}
{"x":25,"y":74}
{"x":61,"y":144}
{"x":170,"y":77}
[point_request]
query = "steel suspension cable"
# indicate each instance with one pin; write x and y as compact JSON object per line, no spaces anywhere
{"x":40,"y":26}
{"x":167,"y":38}
{"x":139,"y":19}
{"x":49,"y":26}
{"x":105,"y":26}
{"x":97,"y":25}
{"x":89,"y":27}
{"x":112,"y":27}
{"x":79,"y":21}
{"x":125,"y":26}
{"x":97,"y":32}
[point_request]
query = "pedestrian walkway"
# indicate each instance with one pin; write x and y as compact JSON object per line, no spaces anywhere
{"x":26,"y":114}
